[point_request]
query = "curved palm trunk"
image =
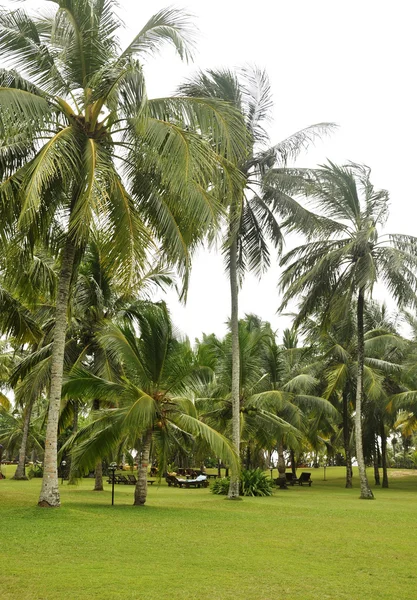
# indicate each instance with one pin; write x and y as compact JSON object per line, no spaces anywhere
{"x":366,"y":492}
{"x":21,"y":468}
{"x":49,"y":496}
{"x":234,"y":293}
{"x":384,"y":457}
{"x":346,"y":441}
{"x":141,"y":488}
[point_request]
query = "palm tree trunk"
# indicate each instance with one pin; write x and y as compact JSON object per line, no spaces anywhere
{"x":346,"y":441}
{"x":376,"y":462}
{"x":234,"y":293}
{"x":281,"y":461}
{"x":248,"y":457}
{"x":98,"y":483}
{"x":72,"y":479}
{"x":21,"y":469}
{"x":141,"y":488}
{"x":49,"y":496}
{"x":384,"y":457}
{"x":293,"y":463}
{"x":366,"y":492}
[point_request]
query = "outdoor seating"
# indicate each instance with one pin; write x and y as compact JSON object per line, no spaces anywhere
{"x":281,"y":483}
{"x":132,"y":479}
{"x":291,"y":478}
{"x":200,"y":481}
{"x":172,"y":480}
{"x":305,"y":478}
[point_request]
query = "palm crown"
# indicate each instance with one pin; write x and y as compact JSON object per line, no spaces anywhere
{"x":349,"y":252}
{"x":75,"y":113}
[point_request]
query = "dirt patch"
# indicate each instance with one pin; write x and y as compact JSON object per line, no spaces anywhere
{"x":398,"y":473}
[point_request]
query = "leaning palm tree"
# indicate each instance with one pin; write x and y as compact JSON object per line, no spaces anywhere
{"x":251,"y":222}
{"x":151,"y":397}
{"x":83,"y":143}
{"x":345,"y":260}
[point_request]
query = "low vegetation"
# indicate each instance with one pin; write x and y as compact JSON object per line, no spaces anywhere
{"x":297,"y":544}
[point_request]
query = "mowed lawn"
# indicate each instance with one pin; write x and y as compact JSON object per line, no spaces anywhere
{"x":305,"y":543}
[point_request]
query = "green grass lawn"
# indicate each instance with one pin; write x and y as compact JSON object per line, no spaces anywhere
{"x":304,"y":543}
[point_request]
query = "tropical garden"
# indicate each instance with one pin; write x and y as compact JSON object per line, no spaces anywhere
{"x":106,"y":194}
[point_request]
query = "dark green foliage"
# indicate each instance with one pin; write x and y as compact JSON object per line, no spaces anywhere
{"x":35,"y":471}
{"x":221,"y":486}
{"x":253,"y":482}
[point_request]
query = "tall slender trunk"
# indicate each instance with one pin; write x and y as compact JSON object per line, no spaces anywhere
{"x":293,"y":463}
{"x":98,"y":483}
{"x":281,"y":461}
{"x":21,"y":468}
{"x":141,"y":488}
{"x":376,"y":462}
{"x":234,"y":293}
{"x":346,"y":440}
{"x":384,"y":456}
{"x":248,"y":457}
{"x":72,"y":478}
{"x":49,"y":496}
{"x":366,"y":492}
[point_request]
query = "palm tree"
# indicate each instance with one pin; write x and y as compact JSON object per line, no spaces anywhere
{"x":345,"y":260}
{"x":251,"y":222}
{"x":73,"y":113}
{"x":275,"y":390}
{"x":151,"y":397}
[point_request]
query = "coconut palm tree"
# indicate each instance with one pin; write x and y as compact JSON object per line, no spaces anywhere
{"x":151,"y":397}
{"x":251,"y":222}
{"x":74,"y":113}
{"x":275,"y":390}
{"x":347,"y":257}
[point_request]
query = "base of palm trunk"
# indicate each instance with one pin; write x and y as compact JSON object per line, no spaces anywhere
{"x":139,"y":502}
{"x":98,"y":490}
{"x":45,"y":504}
{"x":49,"y":497}
{"x":367,"y":496}
{"x":20,"y":478}
{"x":235,"y":498}
{"x":234,"y":489}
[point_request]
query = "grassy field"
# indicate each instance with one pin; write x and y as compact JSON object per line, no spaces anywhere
{"x":304,"y":543}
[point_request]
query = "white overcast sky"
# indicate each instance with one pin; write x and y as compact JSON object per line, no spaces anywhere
{"x":350,"y":62}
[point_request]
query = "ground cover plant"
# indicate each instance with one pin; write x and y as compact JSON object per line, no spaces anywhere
{"x":297,"y":544}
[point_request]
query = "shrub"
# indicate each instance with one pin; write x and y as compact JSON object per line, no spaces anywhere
{"x":221,"y":486}
{"x":253,"y":482}
{"x":35,"y":471}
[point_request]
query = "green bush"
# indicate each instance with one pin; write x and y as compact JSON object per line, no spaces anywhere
{"x":35,"y":471}
{"x":253,"y":482}
{"x":221,"y":486}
